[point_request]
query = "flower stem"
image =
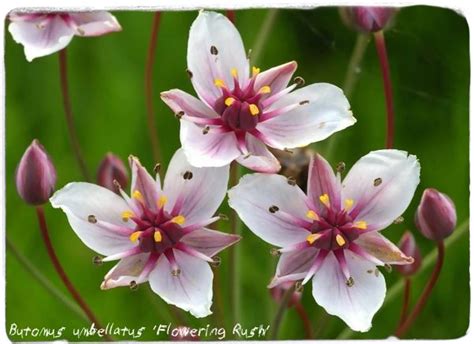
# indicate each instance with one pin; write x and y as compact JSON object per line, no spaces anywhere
{"x":59,"y":269}
{"x":69,"y":116}
{"x":149,"y":87}
{"x":406,"y":302}
{"x":281,"y":312}
{"x":231,"y":15}
{"x":387,"y":86}
{"x":308,"y":329}
{"x":233,"y":254}
{"x":262,"y":35}
{"x":426,"y":292}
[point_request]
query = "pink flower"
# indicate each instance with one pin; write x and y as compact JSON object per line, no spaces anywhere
{"x":240,"y":112}
{"x":43,"y":34}
{"x":159,"y":235}
{"x":332,"y":232}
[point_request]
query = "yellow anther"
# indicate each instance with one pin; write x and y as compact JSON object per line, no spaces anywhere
{"x":340,"y":240}
{"x":254,"y":109}
{"x":135,"y":235}
{"x":265,"y":90}
{"x":360,"y":224}
{"x":234,"y":73}
{"x":255,"y":70}
{"x":219,"y":83}
{"x":157,"y":236}
{"x":310,"y":214}
{"x":162,"y":201}
{"x":312,"y":238}
{"x":348,"y":203}
{"x":126,"y":215}
{"x":324,"y":198}
{"x":229,"y":101}
{"x":180,"y":219}
{"x":137,"y":195}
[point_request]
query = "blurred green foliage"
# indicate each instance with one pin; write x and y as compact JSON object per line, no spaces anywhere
{"x":429,"y":56}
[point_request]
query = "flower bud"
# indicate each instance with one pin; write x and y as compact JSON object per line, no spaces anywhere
{"x":367,"y":19}
{"x":112,"y":168}
{"x":280,"y":290}
{"x":408,"y":246}
{"x":35,"y":175}
{"x":436,"y":215}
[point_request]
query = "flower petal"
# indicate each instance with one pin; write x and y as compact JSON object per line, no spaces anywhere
{"x":179,"y":101}
{"x":200,"y":194}
{"x":356,"y":305}
{"x":147,"y":187}
{"x":383,"y":249}
{"x":214,"y":49}
{"x":79,"y":200}
{"x":95,"y":23}
{"x":321,"y":110}
{"x":191,"y":290}
{"x":125,"y":271}
{"x":260,"y":158}
{"x":322,"y":180}
{"x":382,"y":184}
{"x":209,"y":242}
{"x":277,"y":77}
{"x":214,"y":149}
{"x":294,"y":265}
{"x":252,"y":199}
{"x":41,"y":36}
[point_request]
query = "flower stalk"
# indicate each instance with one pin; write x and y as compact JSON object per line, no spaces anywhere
{"x":308,"y":329}
{"x":281,"y":312}
{"x":406,"y":301}
{"x":233,"y":254}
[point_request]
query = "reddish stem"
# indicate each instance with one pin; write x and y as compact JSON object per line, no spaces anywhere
{"x":59,"y":269}
{"x":426,"y":292}
{"x":308,"y":329}
{"x":149,"y":87}
{"x":234,"y":226}
{"x":387,"y":86}
{"x":406,"y":302}
{"x":231,"y":15}
{"x":69,"y":115}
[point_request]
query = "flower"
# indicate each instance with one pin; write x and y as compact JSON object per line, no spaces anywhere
{"x":43,"y":34}
{"x":332,"y":233}
{"x":237,"y":115}
{"x":408,"y":246}
{"x":436,"y":215}
{"x":367,"y":19}
{"x":35,"y":175}
{"x":159,"y":235}
{"x":111,"y":171}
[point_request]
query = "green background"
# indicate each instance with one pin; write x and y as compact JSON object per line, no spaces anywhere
{"x":429,"y":57}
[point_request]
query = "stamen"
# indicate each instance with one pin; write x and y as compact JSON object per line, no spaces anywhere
{"x":340,"y":240}
{"x":135,"y":235}
{"x":216,"y":261}
{"x":219,"y":83}
{"x":180,"y":219}
{"x":348,"y":203}
{"x":398,"y":220}
{"x":162,"y":201}
{"x":234,"y":72}
{"x":137,"y":195}
{"x":157,"y":168}
{"x":126,"y":215}
{"x":133,"y":285}
{"x":176,"y":272}
{"x":254,"y":110}
{"x":341,"y":166}
{"x":97,"y":260}
{"x":311,"y":214}
{"x":291,"y":180}
{"x":273,"y":209}
{"x":92,"y":219}
{"x":229,"y":101}
{"x":360,"y":224}
{"x":377,"y":181}
{"x":157,"y":236}
{"x":312,"y":238}
{"x":255,"y":71}
{"x":324,"y":198}
{"x":265,"y":90}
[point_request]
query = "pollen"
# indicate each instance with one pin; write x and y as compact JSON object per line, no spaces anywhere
{"x":234,"y":73}
{"x":219,"y":83}
{"x":361,"y":224}
{"x":340,"y":240}
{"x":348,"y":203}
{"x":229,"y":101}
{"x":134,"y":236}
{"x":162,"y":201}
{"x":180,"y":219}
{"x":255,"y":71}
{"x":126,"y":215}
{"x":312,"y":238}
{"x":157,"y":236}
{"x":324,"y":198}
{"x":254,"y":109}
{"x":137,"y":195}
{"x":311,"y":214}
{"x":265,"y":90}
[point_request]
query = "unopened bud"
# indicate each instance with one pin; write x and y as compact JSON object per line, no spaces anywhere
{"x":367,"y":19}
{"x":408,"y":246}
{"x":280,"y":290}
{"x":112,"y":168}
{"x":436,"y":215}
{"x":35,"y":175}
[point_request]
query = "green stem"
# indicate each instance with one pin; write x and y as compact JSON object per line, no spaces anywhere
{"x":262,"y":35}
{"x":281,"y":312}
{"x":233,"y":254}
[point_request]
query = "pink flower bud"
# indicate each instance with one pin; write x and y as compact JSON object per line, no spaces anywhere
{"x":367,"y":19}
{"x":436,"y":215}
{"x":35,"y":175}
{"x":278,"y":292}
{"x":112,"y":168}
{"x":408,"y":246}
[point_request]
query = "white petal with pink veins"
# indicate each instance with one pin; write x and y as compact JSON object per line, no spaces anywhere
{"x":95,"y":23}
{"x":382,"y":185}
{"x":214,"y":49}
{"x":79,"y":201}
{"x":149,"y":188}
{"x":191,"y":290}
{"x":383,"y":249}
{"x":41,"y":36}
{"x":294,"y":266}
{"x":320,"y":111}
{"x":214,"y":149}
{"x":277,"y":77}
{"x":322,"y":180}
{"x":199,"y":191}
{"x":253,"y":197}
{"x":356,"y":305}
{"x":260,"y":159}
{"x":208,"y":241}
{"x":125,"y":271}
{"x":179,"y":100}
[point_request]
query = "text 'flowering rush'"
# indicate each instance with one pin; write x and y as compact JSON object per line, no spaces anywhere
{"x":331,"y":234}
